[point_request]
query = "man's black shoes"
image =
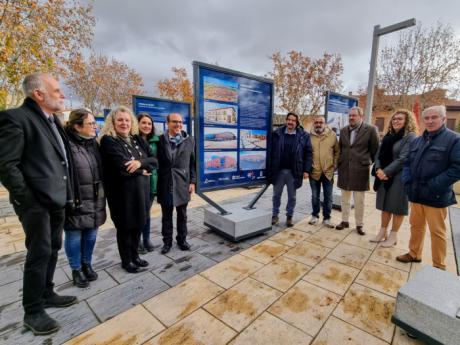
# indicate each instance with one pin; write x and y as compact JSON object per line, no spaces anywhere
{"x":79,"y":279}
{"x":140,"y":263}
{"x":130,"y":267}
{"x":40,"y":323}
{"x":56,"y":301}
{"x":165,"y":249}
{"x":88,"y":271}
{"x":184,"y":245}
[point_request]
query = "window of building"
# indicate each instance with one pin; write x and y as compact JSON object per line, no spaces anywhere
{"x":450,"y":124}
{"x":380,"y":123}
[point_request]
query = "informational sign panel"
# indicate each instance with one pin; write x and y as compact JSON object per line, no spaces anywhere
{"x":233,"y":119}
{"x":159,"y":108}
{"x":336,"y":110}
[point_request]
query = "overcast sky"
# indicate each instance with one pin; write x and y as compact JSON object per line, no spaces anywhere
{"x":152,"y":36}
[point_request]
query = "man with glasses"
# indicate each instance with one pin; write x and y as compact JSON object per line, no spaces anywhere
{"x":432,"y":167}
{"x":290,"y":162}
{"x":34,"y":167}
{"x":325,"y":147}
{"x":176,"y":180}
{"x":358,"y":144}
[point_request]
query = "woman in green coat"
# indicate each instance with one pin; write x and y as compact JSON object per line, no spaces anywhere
{"x":147,"y":131}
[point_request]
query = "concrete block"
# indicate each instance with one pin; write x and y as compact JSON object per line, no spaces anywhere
{"x":240,"y":223}
{"x":427,"y":306}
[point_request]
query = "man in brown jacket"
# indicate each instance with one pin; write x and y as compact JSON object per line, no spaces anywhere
{"x":358,"y":145}
{"x":325,"y":148}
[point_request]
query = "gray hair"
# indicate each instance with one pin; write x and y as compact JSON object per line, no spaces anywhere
{"x":32,"y":82}
{"x":439,"y":109}
{"x":358,"y":109}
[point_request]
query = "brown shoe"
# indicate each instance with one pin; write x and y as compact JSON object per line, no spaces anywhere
{"x":275,"y":220}
{"x":359,"y":229}
{"x":342,"y":225}
{"x":406,"y":258}
{"x":289,"y":222}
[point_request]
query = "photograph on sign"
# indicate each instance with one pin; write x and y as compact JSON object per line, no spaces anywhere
{"x":337,"y":108}
{"x":232,"y":121}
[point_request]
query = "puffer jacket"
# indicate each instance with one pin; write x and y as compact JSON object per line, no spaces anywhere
{"x":432,"y":167}
{"x":326,"y":152}
{"x":88,"y":211}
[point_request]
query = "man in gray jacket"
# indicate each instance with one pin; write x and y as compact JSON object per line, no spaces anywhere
{"x":176,"y":180}
{"x":358,"y":144}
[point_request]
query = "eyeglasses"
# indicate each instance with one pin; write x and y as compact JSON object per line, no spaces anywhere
{"x":397,"y":119}
{"x":175,"y":121}
{"x":92,"y":124}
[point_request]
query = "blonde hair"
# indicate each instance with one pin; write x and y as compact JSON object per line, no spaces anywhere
{"x":410,"y":123}
{"x":109,"y":125}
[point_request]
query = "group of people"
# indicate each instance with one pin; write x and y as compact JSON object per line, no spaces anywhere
{"x":59,"y":179}
{"x":408,"y":168}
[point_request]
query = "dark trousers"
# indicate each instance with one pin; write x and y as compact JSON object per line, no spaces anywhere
{"x":146,"y":229}
{"x":167,"y":223}
{"x":43,"y":230}
{"x":128,"y":240}
{"x":328,"y":185}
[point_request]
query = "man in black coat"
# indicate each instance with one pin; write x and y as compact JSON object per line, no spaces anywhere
{"x":291,"y":161}
{"x":34,"y":167}
{"x":176,"y":180}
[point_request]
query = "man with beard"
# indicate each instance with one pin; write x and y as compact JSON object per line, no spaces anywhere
{"x":290,"y":162}
{"x":34,"y":167}
{"x":325,"y":147}
{"x":176,"y":180}
{"x":358,"y":144}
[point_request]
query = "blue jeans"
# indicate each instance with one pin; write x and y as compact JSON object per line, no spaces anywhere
{"x":79,"y":246}
{"x":327,"y":193}
{"x":284,"y":178}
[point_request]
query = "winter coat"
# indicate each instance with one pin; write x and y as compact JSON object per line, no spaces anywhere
{"x":325,"y":149}
{"x":432,"y":167}
{"x":128,"y":195}
{"x":88,"y":211}
{"x":355,"y":160}
{"x":393,"y":199}
{"x":153,"y":142}
{"x":302,"y":157}
{"x":176,"y":171}
{"x":32,"y":164}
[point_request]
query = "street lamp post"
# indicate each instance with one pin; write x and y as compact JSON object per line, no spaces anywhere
{"x":375,"y":47}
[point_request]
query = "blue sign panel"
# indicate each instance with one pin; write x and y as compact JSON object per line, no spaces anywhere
{"x":337,"y":108}
{"x":232,"y":127}
{"x":159,"y":108}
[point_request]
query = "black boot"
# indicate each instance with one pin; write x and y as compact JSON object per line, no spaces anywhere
{"x":40,"y":323}
{"x":140,"y":263}
{"x":79,"y":279}
{"x":88,"y":272}
{"x":148,"y":245}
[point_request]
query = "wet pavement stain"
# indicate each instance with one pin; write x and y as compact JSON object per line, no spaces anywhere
{"x":181,"y":334}
{"x":239,"y":269}
{"x":235,"y":302}
{"x":382,"y":280}
{"x":185,"y":268}
{"x":289,"y":271}
{"x":191,"y":306}
{"x":296,"y":301}
{"x":268,"y":250}
{"x":371,"y":310}
{"x":323,"y":301}
{"x":337,"y":275}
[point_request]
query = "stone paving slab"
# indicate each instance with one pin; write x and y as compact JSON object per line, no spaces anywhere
{"x":115,"y":300}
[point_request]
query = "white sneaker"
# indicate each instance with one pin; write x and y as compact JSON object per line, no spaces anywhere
{"x":313,"y":220}
{"x":327,"y":223}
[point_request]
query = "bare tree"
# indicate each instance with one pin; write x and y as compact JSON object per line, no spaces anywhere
{"x":422,"y":62}
{"x":301,"y":81}
{"x":102,"y":83}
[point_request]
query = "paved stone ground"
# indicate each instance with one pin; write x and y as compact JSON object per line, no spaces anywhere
{"x":304,"y":285}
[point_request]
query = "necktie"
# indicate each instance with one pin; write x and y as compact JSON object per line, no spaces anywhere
{"x":57,"y":135}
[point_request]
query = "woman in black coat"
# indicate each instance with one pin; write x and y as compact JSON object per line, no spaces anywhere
{"x":88,"y":211}
{"x":128,"y":161}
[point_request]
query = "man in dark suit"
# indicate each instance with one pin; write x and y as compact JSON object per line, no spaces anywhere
{"x":34,"y":167}
{"x":176,"y":180}
{"x":358,"y":143}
